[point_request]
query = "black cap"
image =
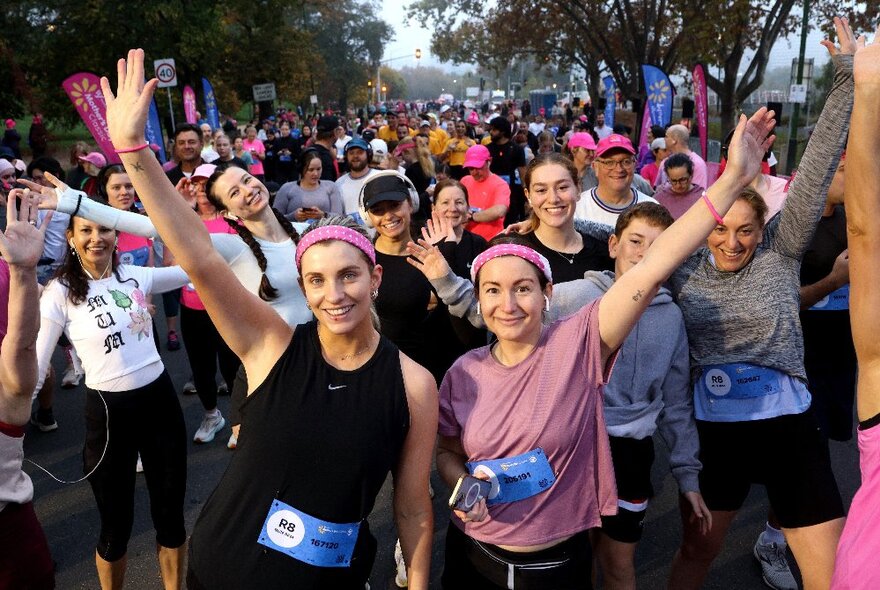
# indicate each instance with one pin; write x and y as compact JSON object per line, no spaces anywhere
{"x":327,"y":123}
{"x":385,"y":188}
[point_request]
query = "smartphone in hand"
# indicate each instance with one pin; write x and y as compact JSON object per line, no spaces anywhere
{"x":468,"y":491}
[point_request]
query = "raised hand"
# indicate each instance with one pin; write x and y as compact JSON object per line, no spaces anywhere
{"x":128,"y":110}
{"x":845,"y":37}
{"x":866,"y":64}
{"x":428,"y":259}
{"x":438,"y":229}
{"x":22,"y":242}
{"x":750,"y":142}
{"x":47,"y":197}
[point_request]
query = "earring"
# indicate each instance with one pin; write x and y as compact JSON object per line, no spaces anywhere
{"x":478,"y":309}
{"x":374,"y":295}
{"x":308,"y":306}
{"x":546,"y":303}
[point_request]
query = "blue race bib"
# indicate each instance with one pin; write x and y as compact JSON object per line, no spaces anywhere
{"x":835,"y":301}
{"x":516,"y":478}
{"x":741,"y":381}
{"x":308,"y":539}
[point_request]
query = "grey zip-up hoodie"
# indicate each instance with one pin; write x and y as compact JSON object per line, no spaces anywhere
{"x":650,"y":383}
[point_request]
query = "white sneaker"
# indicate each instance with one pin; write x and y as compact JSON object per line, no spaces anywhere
{"x":774,"y":566}
{"x":400,"y":579}
{"x":71,"y":378}
{"x":189,"y":388}
{"x":211,"y":425}
{"x":139,"y":468}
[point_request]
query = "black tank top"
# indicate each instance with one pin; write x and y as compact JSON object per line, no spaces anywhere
{"x":317,"y":438}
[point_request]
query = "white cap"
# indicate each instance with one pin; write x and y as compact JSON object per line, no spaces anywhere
{"x":380,"y":149}
{"x":659,"y":143}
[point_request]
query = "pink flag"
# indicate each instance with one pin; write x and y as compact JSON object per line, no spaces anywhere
{"x":189,"y":104}
{"x":646,"y":125}
{"x":701,"y":105}
{"x":84,"y":91}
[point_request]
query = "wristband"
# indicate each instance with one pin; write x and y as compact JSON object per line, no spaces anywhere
{"x":79,"y":199}
{"x":712,"y":210}
{"x":136,"y":148}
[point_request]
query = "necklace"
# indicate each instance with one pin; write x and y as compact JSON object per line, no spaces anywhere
{"x":349,"y":356}
{"x":566,"y":256}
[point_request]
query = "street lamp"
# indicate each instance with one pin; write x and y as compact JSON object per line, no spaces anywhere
{"x":384,"y":90}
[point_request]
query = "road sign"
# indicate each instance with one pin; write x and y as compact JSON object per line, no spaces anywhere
{"x":313,"y":99}
{"x":264,"y":92}
{"x":166,"y":72}
{"x":798,"y":93}
{"x":472,"y":91}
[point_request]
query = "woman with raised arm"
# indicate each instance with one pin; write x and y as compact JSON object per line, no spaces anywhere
{"x":25,"y":561}
{"x":856,"y":566}
{"x":332,"y":406}
{"x":558,"y":477}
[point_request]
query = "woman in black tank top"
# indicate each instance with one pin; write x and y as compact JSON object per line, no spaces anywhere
{"x":332,"y":407}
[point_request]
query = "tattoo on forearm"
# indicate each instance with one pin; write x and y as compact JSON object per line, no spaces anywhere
{"x":138,"y":167}
{"x":638,"y":295}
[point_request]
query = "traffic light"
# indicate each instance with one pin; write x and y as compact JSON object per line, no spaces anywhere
{"x":418,"y":53}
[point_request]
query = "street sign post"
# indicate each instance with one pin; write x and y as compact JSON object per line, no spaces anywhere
{"x":166,"y":73}
{"x":264,"y":92}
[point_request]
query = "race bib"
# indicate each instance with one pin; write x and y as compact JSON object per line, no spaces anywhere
{"x":516,"y":478}
{"x":741,"y":381}
{"x":835,"y":301}
{"x":308,"y":539}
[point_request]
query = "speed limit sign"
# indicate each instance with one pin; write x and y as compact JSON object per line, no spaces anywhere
{"x":166,"y":72}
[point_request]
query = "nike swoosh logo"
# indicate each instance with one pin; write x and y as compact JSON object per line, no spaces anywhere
{"x":335,"y":387}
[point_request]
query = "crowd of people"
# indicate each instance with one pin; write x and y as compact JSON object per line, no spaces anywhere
{"x":522,"y":300}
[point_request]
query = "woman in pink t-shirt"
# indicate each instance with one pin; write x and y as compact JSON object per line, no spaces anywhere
{"x":256,"y":149}
{"x":526,"y":412}
{"x":205,"y":349}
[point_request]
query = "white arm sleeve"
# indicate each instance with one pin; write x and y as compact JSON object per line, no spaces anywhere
{"x":50,"y":332}
{"x":167,"y":279}
{"x":133,"y":223}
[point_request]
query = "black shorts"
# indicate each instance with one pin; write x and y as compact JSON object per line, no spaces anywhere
{"x":480,"y":566}
{"x":787,"y":454}
{"x":632,"y":470}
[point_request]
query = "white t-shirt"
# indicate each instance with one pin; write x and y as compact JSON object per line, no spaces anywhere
{"x":350,"y":188}
{"x":603,"y":131}
{"x":340,"y":147}
{"x":592,"y":208}
{"x":112,"y":330}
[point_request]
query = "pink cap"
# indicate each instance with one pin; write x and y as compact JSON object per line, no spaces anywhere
{"x":584,"y":140}
{"x":204,"y":171}
{"x":96,"y":158}
{"x":473,"y":118}
{"x":476,"y":156}
{"x":10,"y":123}
{"x":523,"y":252}
{"x":614,"y":142}
{"x":582,"y":118}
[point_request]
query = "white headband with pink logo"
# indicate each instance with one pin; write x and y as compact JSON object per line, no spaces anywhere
{"x":523,"y":252}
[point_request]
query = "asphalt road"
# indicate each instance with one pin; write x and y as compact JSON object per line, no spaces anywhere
{"x":70,"y":519}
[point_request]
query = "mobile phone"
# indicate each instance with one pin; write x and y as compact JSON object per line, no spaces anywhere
{"x":468,"y":491}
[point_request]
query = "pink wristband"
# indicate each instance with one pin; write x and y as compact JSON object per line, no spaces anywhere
{"x":712,"y":210}
{"x":136,"y":148}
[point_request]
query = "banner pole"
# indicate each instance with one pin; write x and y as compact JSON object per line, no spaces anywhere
{"x":170,"y":109}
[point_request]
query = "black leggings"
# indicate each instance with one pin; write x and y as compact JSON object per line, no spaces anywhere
{"x":148,"y":421}
{"x":204,"y":348}
{"x":238,"y":395}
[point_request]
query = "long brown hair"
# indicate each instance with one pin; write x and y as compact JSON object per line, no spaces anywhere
{"x":547,"y":159}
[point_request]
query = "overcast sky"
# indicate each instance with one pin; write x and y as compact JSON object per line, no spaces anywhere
{"x":410,"y":36}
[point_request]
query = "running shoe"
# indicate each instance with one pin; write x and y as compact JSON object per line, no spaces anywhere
{"x":211,"y":425}
{"x":44,"y":419}
{"x":232,"y":442}
{"x":223,"y":389}
{"x":173,"y":342}
{"x":400,"y":579}
{"x":71,"y":378}
{"x":139,"y":467}
{"x":189,"y":388}
{"x":774,"y":566}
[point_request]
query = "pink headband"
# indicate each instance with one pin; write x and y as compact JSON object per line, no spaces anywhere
{"x":523,"y":252}
{"x":334,"y":232}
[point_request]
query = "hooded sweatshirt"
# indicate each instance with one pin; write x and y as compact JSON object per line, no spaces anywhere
{"x":650,"y":385}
